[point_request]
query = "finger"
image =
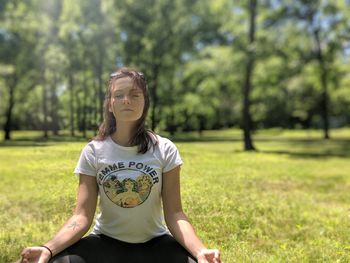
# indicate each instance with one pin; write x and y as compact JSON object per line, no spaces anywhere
{"x":27,"y":251}
{"x":215,"y":253}
{"x":24,"y":251}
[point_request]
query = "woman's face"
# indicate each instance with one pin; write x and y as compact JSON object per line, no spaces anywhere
{"x":127,"y":100}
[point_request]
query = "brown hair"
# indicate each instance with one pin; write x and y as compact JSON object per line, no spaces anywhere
{"x":142,"y":136}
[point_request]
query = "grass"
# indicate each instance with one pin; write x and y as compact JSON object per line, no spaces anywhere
{"x":287,"y":202}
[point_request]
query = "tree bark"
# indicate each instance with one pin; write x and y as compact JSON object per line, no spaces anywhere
{"x":54,"y":107}
{"x":324,"y":80}
{"x":45,"y":122}
{"x":85,"y":96}
{"x":96,"y":107}
{"x":154,"y":99}
{"x":247,"y":123}
{"x":100,"y":91}
{"x":71,"y":102}
{"x":11,"y":103}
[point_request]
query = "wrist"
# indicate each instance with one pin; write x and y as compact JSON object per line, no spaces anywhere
{"x":201,"y":253}
{"x":47,"y":251}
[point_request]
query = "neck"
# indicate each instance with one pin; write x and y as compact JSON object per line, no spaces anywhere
{"x":123,"y":133}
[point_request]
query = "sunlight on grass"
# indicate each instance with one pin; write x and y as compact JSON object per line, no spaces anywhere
{"x":287,"y":202}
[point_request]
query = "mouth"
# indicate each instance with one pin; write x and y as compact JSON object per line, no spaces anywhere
{"x":127,"y":110}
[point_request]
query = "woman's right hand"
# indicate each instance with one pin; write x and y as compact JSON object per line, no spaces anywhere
{"x":74,"y":228}
{"x":35,"y":255}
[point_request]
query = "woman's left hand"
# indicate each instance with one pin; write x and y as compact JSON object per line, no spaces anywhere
{"x":35,"y":255}
{"x":209,"y":256}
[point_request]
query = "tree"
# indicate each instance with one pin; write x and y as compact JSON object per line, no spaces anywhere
{"x":17,"y":57}
{"x":328,"y":29}
{"x":11,"y":83}
{"x":248,"y":144}
{"x":155,"y":34}
{"x":202,"y":69}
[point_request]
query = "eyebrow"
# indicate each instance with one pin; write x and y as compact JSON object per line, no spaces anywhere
{"x":133,"y":90}
{"x":136,"y":90}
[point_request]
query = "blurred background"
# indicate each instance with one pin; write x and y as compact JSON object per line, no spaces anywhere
{"x":252,"y":64}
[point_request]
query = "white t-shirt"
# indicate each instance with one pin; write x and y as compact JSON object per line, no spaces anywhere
{"x":130,"y":186}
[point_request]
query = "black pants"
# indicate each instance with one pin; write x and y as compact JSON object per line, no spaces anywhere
{"x":104,"y":249}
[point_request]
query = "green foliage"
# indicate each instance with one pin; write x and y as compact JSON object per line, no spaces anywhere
{"x":193,"y":53}
{"x":286,"y":203}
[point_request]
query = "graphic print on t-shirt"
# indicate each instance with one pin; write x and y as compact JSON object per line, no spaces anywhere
{"x":127,"y":184}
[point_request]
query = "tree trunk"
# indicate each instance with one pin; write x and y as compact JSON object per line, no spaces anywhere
{"x":79,"y":110}
{"x":99,"y":70}
{"x":71,"y":102}
{"x":45,"y":122}
{"x":11,"y":103}
{"x":96,"y":106}
{"x":54,"y":106}
{"x":324,"y":80}
{"x":100,"y":92}
{"x":85,"y":96}
{"x":248,"y":143}
{"x":154,"y":99}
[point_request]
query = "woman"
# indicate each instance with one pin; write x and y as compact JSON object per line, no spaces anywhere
{"x":125,"y":151}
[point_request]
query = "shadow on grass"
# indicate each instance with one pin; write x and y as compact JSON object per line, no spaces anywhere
{"x":15,"y":143}
{"x":311,"y":155}
{"x":306,"y":148}
{"x":294,"y":147}
{"x":204,"y":139}
{"x":41,"y":141}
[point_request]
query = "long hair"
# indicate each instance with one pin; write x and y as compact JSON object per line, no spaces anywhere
{"x":141,"y":136}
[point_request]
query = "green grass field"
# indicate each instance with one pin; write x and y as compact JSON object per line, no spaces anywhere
{"x":287,"y":202}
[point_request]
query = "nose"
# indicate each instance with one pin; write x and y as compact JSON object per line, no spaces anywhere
{"x":126,"y":99}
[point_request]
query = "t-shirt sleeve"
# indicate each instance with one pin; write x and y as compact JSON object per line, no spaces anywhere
{"x":87,"y":161}
{"x":172,"y":156}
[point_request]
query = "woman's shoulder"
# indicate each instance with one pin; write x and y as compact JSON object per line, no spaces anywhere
{"x":163,"y":142}
{"x":96,"y":143}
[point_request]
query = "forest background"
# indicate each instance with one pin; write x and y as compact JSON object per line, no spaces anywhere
{"x":221,"y":74}
{"x":210,"y":64}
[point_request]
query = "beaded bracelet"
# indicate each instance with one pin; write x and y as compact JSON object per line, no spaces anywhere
{"x":48,"y":250}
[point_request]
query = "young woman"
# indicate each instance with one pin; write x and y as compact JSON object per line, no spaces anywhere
{"x":136,"y":173}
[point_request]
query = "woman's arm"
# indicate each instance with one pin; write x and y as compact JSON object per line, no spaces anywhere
{"x":75,"y":227}
{"x":178,"y":223}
